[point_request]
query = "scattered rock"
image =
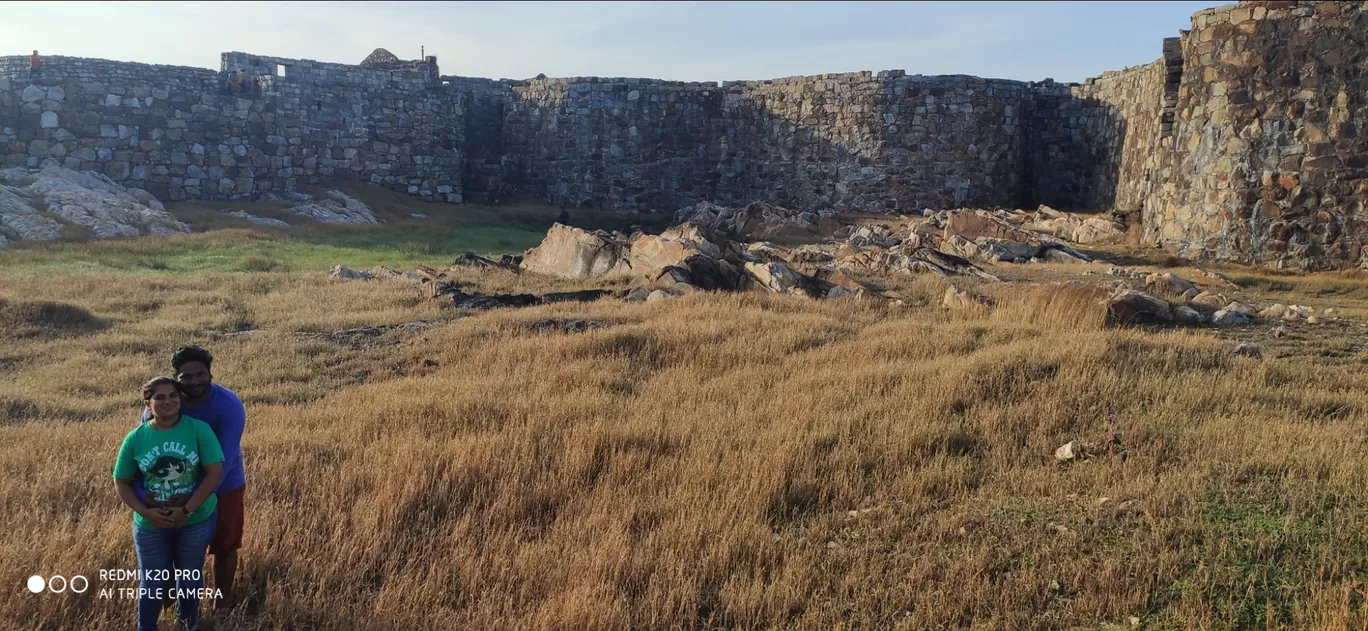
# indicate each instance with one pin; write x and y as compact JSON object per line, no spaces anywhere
{"x":1275,"y":311}
{"x":1249,"y":350}
{"x":1221,"y":280}
{"x":1226,"y":317}
{"x":1280,"y":332}
{"x":1312,"y":320}
{"x":1169,"y":284}
{"x":566,"y":325}
{"x":256,"y":219}
{"x":1188,"y":315}
{"x":1209,"y":300}
{"x":344,"y":272}
{"x":1069,"y":451}
{"x":962,"y":300}
{"x":1125,"y":273}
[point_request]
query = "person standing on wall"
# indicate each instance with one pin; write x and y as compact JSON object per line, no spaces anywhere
{"x":35,"y":66}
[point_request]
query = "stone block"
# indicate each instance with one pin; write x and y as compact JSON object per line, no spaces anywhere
{"x":48,"y":120}
{"x":117,"y":170}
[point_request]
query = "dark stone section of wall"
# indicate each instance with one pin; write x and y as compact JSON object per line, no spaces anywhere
{"x":859,"y":141}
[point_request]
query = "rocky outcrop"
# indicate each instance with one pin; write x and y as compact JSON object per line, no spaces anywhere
{"x":35,"y":205}
{"x":760,"y":220}
{"x":336,"y":207}
{"x":997,"y":237}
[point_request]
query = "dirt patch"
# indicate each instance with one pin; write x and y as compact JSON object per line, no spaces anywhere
{"x":372,"y":336}
{"x":46,"y":319}
{"x":566,"y":325}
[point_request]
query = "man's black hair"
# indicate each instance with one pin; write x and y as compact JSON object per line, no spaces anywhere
{"x":187,"y":354}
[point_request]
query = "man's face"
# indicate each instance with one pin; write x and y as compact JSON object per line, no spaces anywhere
{"x":195,"y":379}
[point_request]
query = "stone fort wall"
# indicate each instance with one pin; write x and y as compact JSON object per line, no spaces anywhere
{"x":1239,"y":143}
{"x":859,"y":141}
{"x":180,"y":134}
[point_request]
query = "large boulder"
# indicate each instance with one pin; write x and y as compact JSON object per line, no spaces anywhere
{"x":1134,"y":307}
{"x":651,"y":253}
{"x":570,"y":252}
{"x":776,"y":277}
{"x":1097,"y":229}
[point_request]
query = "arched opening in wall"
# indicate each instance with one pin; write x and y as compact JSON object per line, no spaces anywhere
{"x":280,"y":70}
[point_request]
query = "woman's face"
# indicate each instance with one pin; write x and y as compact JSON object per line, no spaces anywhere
{"x":165,"y":401}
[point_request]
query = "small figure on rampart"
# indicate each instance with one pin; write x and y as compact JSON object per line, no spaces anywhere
{"x":35,"y":66}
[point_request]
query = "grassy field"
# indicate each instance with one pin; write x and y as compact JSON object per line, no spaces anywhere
{"x":717,"y":461}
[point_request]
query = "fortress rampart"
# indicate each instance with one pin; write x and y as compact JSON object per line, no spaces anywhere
{"x":1239,"y":143}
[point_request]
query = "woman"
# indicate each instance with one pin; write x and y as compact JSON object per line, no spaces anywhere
{"x":175,"y":456}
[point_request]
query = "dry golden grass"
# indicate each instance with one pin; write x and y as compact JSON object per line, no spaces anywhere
{"x":738,"y":461}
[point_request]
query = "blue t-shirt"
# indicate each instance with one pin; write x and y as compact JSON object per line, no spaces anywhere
{"x":223,"y":412}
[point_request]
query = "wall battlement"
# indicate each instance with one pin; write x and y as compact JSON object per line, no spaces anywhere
{"x":1241,"y":141}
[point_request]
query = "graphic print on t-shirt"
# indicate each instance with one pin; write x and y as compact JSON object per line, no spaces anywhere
{"x":169,"y":470}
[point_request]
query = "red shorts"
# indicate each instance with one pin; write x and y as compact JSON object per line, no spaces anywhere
{"x":228,"y":533}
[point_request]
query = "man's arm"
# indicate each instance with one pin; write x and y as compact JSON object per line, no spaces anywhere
{"x":231,"y":424}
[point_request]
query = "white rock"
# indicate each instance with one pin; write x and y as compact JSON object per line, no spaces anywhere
{"x":1068,"y":451}
{"x":33,"y":94}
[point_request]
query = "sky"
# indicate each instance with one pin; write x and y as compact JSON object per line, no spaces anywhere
{"x":683,"y":41}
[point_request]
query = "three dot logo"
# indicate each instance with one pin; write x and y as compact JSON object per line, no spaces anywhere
{"x":58,"y":584}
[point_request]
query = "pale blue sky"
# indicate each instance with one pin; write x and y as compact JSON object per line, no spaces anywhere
{"x":691,"y":41}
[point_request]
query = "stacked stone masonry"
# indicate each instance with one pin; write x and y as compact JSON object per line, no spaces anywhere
{"x":1239,"y":143}
{"x":184,"y":133}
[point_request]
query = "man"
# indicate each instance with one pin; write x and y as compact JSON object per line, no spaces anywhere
{"x":222,"y":410}
{"x":35,"y":66}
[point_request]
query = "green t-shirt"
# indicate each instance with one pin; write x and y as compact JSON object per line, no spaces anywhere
{"x":170,"y":462}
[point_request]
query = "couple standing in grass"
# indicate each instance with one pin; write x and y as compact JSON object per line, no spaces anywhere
{"x":180,"y":470}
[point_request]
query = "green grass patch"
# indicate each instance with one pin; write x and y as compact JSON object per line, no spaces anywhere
{"x":226,"y":244}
